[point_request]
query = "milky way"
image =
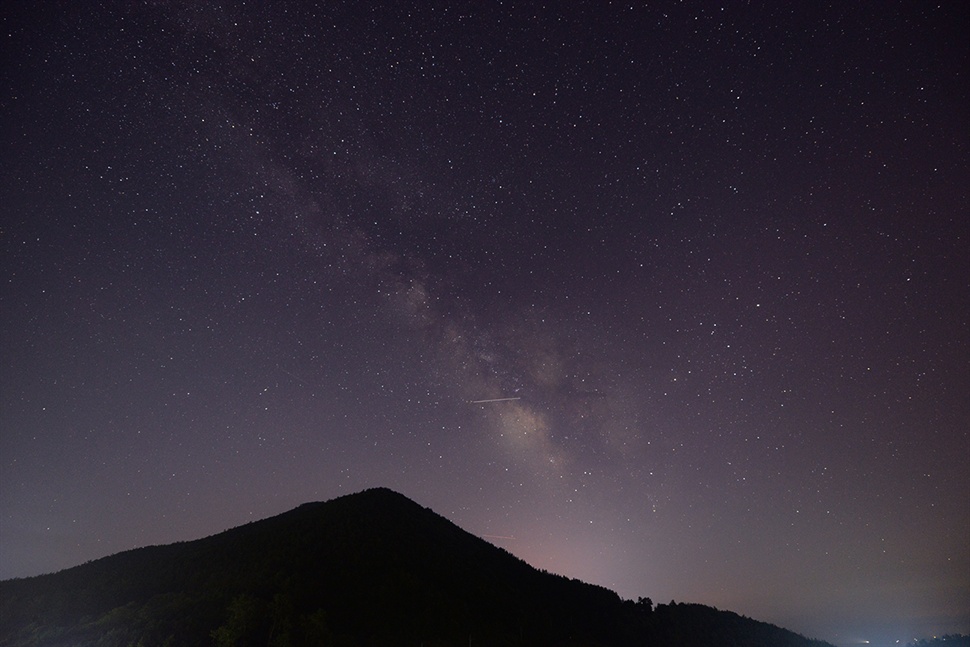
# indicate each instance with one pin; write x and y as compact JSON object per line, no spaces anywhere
{"x":672,"y":299}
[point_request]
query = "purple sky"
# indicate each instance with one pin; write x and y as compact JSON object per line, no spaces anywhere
{"x":260,"y":254}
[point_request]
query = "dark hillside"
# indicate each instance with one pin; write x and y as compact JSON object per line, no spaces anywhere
{"x":372,"y":568}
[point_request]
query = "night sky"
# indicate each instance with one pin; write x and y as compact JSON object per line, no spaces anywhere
{"x":712,"y":260}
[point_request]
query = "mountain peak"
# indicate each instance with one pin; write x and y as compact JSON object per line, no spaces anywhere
{"x":370,"y":494}
{"x":370,"y":568}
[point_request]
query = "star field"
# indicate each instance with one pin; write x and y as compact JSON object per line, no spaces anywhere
{"x":710,"y":261}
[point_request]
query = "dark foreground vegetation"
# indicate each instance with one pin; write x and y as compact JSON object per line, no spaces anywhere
{"x":372,"y":568}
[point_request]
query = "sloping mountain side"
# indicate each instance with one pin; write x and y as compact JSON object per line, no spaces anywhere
{"x":372,"y":568}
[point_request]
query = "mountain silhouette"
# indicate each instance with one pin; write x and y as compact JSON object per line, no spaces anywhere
{"x":372,"y":568}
